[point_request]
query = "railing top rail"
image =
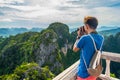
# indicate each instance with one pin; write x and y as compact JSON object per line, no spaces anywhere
{"x":67,"y":72}
{"x":111,"y":56}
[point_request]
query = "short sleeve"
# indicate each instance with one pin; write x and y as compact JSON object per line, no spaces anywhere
{"x":81,"y":42}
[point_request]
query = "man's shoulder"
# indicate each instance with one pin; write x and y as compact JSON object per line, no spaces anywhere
{"x":85,"y":37}
{"x":100,"y":36}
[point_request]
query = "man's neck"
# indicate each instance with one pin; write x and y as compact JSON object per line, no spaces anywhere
{"x":91,"y":30}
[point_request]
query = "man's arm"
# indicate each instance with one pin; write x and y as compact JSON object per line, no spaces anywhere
{"x":75,"y":49}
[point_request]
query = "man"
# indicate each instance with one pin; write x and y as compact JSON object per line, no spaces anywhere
{"x":85,"y":45}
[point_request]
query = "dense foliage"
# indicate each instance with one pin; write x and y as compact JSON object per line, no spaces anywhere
{"x":70,"y":58}
{"x":1,"y":39}
{"x":112,"y":44}
{"x":14,"y":51}
{"x":25,"y":48}
{"x":29,"y":71}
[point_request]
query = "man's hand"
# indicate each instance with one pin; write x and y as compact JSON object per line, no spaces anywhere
{"x":78,"y":33}
{"x":81,"y":31}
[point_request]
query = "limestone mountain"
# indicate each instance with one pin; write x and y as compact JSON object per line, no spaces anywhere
{"x":62,"y":30}
{"x":43,"y":48}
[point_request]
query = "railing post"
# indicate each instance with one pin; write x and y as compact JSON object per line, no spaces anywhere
{"x":107,"y":72}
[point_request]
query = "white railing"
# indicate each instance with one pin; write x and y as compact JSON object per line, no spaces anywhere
{"x":70,"y":73}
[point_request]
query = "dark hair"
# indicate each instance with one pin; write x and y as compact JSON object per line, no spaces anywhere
{"x":91,"y":21}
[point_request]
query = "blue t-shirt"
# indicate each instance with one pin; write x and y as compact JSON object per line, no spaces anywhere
{"x":87,"y":48}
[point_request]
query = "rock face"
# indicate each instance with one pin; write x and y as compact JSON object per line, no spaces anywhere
{"x":48,"y":51}
{"x":62,"y":31}
{"x":44,"y":52}
{"x":65,"y":49}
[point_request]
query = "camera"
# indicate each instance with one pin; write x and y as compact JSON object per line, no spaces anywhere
{"x":82,"y":30}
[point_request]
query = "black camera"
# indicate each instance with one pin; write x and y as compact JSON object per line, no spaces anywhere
{"x":82,"y":30}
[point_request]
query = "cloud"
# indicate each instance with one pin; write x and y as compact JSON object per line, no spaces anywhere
{"x":6,"y":20}
{"x":67,"y":11}
{"x":24,"y":8}
{"x":108,"y":15}
{"x":11,"y":1}
{"x":95,"y":3}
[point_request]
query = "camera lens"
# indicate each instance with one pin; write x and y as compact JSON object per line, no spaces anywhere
{"x":77,"y":29}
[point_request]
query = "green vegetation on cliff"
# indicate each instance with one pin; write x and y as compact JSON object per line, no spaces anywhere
{"x":112,"y":44}
{"x":62,"y":31}
{"x":41,"y":48}
{"x":29,"y":71}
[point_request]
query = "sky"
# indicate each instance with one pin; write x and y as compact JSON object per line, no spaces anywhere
{"x":41,"y":13}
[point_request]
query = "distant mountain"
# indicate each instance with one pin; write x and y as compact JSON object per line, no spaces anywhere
{"x":109,"y":32}
{"x":103,"y":28}
{"x":36,"y":29}
{"x":6,"y":32}
{"x":72,"y":29}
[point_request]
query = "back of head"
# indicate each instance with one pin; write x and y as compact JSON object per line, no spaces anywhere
{"x":91,"y":21}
